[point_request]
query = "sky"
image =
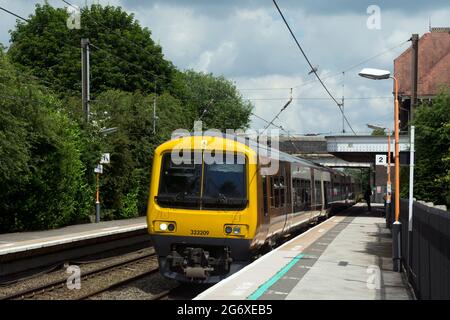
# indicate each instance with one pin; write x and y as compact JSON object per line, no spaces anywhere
{"x":247,"y":42}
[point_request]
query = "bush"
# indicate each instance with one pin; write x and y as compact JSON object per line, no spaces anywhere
{"x":42,"y":181}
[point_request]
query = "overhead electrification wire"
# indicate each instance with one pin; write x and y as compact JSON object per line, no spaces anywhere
{"x":69,"y":4}
{"x":267,"y":121}
{"x":12,"y":13}
{"x":319,"y":98}
{"x":328,"y":75}
{"x":279,"y":112}
{"x":279,"y":127}
{"x":313,"y":69}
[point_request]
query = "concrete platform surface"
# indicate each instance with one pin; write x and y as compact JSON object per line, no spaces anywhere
{"x":21,"y":241}
{"x":347,"y":257}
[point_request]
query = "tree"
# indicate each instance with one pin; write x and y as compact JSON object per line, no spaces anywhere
{"x":378,"y":132}
{"x":48,"y":146}
{"x":42,"y":175}
{"x":123,"y":55}
{"x":214,"y":100}
{"x":126,"y":180}
{"x":432,"y":171}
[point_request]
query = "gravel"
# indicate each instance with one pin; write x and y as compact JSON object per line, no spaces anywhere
{"x":60,"y":273}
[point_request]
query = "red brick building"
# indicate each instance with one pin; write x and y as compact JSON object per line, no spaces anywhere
{"x":433,"y":69}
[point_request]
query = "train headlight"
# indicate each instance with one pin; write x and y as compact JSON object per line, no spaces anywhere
{"x":163,"y":226}
{"x":239,"y":230}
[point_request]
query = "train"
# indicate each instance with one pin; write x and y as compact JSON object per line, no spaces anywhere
{"x":217,"y":202}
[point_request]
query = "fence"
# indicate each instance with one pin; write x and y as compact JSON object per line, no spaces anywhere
{"x":426,"y":249}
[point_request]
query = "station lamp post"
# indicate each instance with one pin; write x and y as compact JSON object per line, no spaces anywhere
{"x":377,"y":74}
{"x":388,"y":187}
{"x":99,"y":170}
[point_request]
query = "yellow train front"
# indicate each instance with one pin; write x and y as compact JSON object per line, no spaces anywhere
{"x":200,"y":214}
{"x":213,"y":204}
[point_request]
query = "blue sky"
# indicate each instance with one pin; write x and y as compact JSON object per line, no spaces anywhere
{"x":247,"y":42}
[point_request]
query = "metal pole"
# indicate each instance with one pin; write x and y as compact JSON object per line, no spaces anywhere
{"x":411,"y":194}
{"x":85,"y":94}
{"x":397,"y":152}
{"x":389,"y":185}
{"x":97,"y":200}
{"x":343,"y":107}
{"x":411,"y":177}
{"x":414,"y":74}
{"x":397,"y":226}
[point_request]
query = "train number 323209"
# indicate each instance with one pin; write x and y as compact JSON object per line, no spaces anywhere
{"x":199,"y":232}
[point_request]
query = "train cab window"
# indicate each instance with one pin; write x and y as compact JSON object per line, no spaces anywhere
{"x":179,"y":183}
{"x":225,"y":184}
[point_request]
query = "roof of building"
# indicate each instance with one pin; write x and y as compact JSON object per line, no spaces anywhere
{"x":433,"y":64}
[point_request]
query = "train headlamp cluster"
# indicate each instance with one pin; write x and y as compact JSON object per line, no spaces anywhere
{"x":164,"y":226}
{"x":235,"y":230}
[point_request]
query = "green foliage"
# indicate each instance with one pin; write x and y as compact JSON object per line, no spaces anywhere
{"x":52,"y":51}
{"x":42,"y":175}
{"x":132,"y":146}
{"x":48,"y":152}
{"x":378,"y":132}
{"x":432,"y":171}
{"x":225,"y":107}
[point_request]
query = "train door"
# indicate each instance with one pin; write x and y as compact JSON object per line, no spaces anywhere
{"x":322,"y":191}
{"x":278,"y":195}
{"x":263,"y":212}
{"x":265,"y":198}
{"x":317,"y":200}
{"x":326,"y":192}
{"x":287,"y":206}
{"x":301,"y":194}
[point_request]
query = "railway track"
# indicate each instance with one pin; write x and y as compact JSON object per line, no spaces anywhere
{"x":163,"y":295}
{"x":131,"y":270}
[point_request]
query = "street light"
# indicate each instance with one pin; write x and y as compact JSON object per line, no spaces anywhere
{"x":377,"y":74}
{"x":388,"y":189}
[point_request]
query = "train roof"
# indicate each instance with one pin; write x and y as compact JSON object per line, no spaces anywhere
{"x":255,"y":145}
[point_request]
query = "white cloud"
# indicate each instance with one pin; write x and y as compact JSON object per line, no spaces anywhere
{"x":223,"y":57}
{"x":250,"y":45}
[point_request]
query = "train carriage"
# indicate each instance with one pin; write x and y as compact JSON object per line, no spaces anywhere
{"x":215,"y":202}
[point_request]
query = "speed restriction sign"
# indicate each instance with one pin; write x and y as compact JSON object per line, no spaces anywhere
{"x":380,"y":160}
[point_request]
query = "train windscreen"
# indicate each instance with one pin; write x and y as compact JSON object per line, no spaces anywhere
{"x":179,"y":183}
{"x":224,"y":183}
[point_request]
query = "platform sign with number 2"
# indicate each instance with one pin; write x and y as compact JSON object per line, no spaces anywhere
{"x":380,"y":160}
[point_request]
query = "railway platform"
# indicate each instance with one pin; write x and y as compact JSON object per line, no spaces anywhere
{"x":27,"y":250}
{"x":347,"y":257}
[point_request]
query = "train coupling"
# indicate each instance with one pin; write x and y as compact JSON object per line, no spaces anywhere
{"x":198,"y":263}
{"x":197,"y":272}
